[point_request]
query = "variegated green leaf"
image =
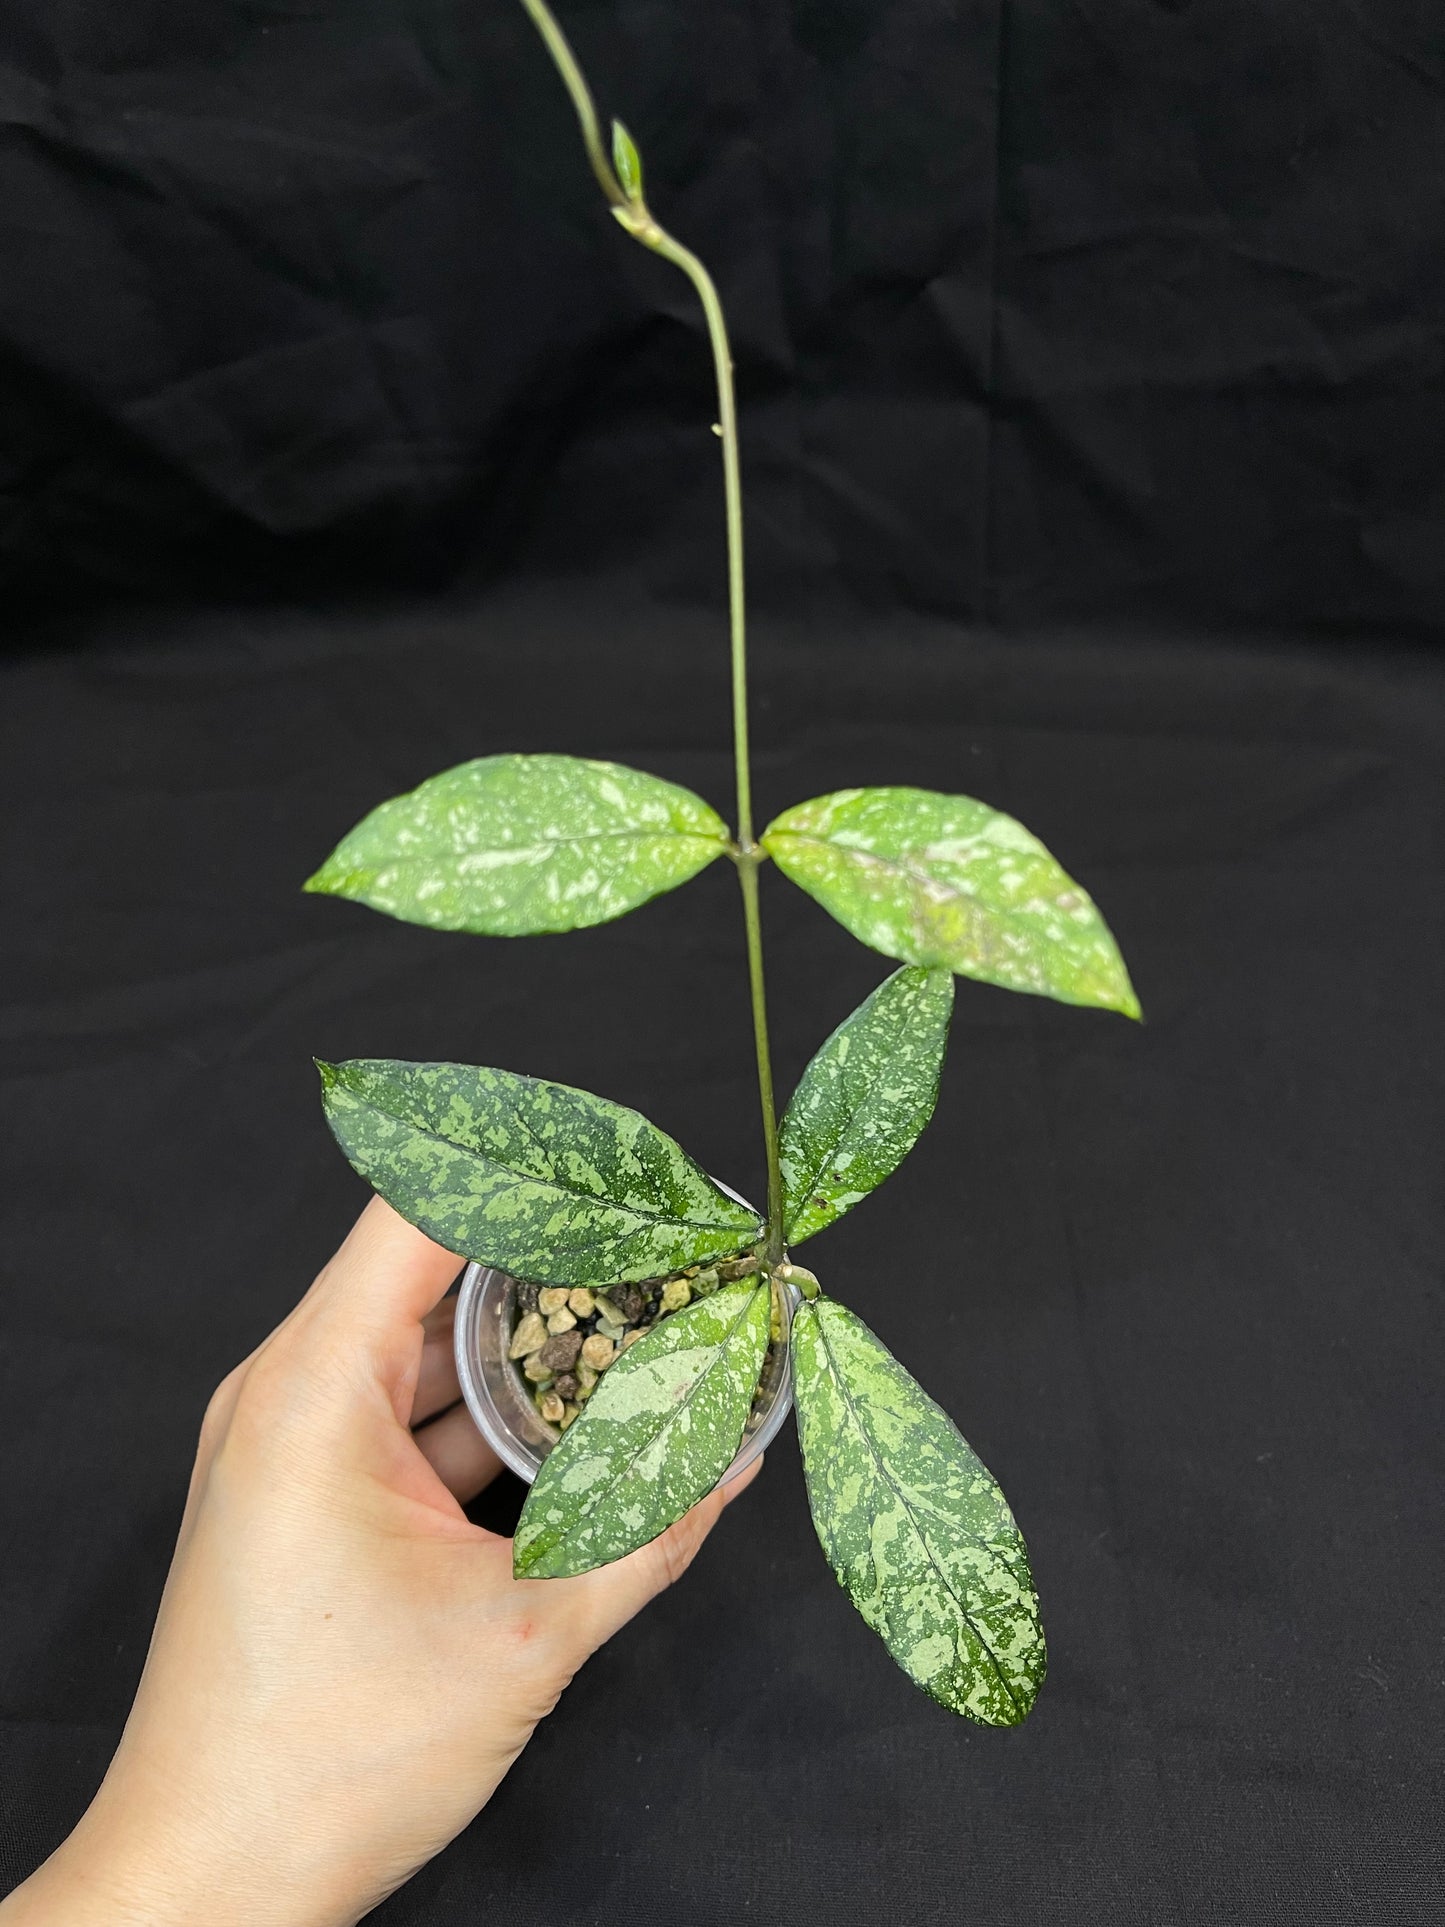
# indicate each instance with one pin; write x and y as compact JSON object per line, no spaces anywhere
{"x":913,"y":1523}
{"x":543,"y":1181}
{"x":516,"y":846}
{"x":939,"y":879}
{"x":864,"y":1099}
{"x":662,"y":1427}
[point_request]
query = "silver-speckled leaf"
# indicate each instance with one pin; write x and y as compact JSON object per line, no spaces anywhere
{"x":543,"y":1181}
{"x":662,"y":1427}
{"x":938,"y":879}
{"x":864,"y":1099}
{"x":913,"y":1523}
{"x":517,"y":846}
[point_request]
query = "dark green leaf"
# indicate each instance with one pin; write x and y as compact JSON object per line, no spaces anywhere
{"x":864,"y":1099}
{"x":946,"y":880}
{"x":626,"y":161}
{"x":913,"y":1523}
{"x":516,"y":846}
{"x":538,"y":1179}
{"x":662,"y":1427}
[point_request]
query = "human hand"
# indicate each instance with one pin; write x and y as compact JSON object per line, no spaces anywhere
{"x":343,"y":1666}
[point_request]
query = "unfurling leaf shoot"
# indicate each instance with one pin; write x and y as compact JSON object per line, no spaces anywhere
{"x":627,"y":161}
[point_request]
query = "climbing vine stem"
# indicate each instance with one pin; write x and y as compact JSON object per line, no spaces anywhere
{"x":632,"y":212}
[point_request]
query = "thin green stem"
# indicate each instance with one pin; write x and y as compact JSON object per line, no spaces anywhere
{"x":632,"y":212}
{"x":575,"y":82}
{"x":661,"y":242}
{"x":752,"y":924}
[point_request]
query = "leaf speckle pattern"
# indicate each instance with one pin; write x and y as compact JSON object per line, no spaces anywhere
{"x":936,"y":879}
{"x":864,"y":1099}
{"x":543,"y":1181}
{"x":913,"y":1523}
{"x":662,"y":1427}
{"x":515,"y":846}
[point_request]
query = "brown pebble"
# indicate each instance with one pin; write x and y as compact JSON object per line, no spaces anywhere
{"x":529,"y":1336}
{"x":580,"y":1301}
{"x":552,"y":1408}
{"x":632,"y":1337}
{"x":598,"y":1352}
{"x":628,"y":1300}
{"x":566,"y":1384}
{"x":559,"y":1354}
{"x":553,"y":1298}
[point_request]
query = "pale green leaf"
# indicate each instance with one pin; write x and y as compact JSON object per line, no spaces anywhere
{"x":516,"y":846}
{"x":541,"y":1180}
{"x":913,"y":1523}
{"x":864,"y":1099}
{"x":936,"y":879}
{"x":626,"y":161}
{"x":662,"y":1427}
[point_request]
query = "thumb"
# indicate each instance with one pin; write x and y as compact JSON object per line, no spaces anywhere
{"x":370,"y":1299}
{"x":611,"y":1595}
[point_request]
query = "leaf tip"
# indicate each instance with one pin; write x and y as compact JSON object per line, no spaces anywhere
{"x":327,"y":881}
{"x":337,"y":879}
{"x":1125,"y":999}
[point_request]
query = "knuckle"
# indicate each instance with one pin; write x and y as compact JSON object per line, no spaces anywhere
{"x":221,"y":1404}
{"x":269,"y":1404}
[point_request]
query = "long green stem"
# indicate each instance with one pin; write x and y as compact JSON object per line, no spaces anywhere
{"x":575,"y":82}
{"x":633,"y":214}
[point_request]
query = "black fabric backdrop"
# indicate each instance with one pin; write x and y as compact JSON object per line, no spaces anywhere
{"x":344,"y":438}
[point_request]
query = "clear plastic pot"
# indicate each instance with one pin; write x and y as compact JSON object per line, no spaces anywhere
{"x":499,"y":1398}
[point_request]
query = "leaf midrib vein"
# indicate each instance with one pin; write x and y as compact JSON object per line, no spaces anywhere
{"x":517,"y":1177}
{"x":543,"y":841}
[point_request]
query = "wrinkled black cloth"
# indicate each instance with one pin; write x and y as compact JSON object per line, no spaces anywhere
{"x":1092,"y":371}
{"x":1042,"y":308}
{"x":1178,"y":1282}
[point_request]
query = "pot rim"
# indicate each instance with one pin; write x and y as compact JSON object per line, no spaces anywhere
{"x":517,"y":1454}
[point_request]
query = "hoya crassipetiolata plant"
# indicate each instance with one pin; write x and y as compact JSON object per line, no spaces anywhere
{"x":606,"y":1219}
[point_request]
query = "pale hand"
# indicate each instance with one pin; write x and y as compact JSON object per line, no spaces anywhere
{"x":343,"y":1667}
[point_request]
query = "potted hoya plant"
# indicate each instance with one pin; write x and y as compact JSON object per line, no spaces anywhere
{"x":647,"y":1325}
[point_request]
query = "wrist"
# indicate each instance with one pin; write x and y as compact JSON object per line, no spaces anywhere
{"x":122,"y":1868}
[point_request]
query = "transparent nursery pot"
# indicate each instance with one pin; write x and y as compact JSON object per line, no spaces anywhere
{"x":499,"y":1399}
